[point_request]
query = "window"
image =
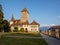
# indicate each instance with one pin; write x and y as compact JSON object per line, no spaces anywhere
{"x":16,"y":28}
{"x":33,"y":26}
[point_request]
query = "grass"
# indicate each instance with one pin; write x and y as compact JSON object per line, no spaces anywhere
{"x":21,"y":41}
{"x":22,"y":34}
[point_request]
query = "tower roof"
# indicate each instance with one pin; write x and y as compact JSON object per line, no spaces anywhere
{"x":12,"y":19}
{"x":25,"y":10}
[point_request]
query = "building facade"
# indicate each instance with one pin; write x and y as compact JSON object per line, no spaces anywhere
{"x":53,"y":31}
{"x":23,"y":22}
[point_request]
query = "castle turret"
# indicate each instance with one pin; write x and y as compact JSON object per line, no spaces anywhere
{"x":12,"y":20}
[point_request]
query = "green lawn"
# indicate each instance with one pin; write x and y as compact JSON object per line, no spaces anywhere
{"x":21,"y":41}
{"x":22,"y":34}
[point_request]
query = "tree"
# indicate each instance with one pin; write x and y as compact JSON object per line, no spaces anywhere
{"x":1,"y":18}
{"x":1,"y":7}
{"x":6,"y":26}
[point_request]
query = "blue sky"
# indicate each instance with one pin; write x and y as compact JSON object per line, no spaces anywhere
{"x":45,"y":12}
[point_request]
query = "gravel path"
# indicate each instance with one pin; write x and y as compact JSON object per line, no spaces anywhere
{"x":51,"y":40}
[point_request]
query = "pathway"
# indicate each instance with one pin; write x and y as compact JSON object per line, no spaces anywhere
{"x":22,"y":36}
{"x":51,"y":40}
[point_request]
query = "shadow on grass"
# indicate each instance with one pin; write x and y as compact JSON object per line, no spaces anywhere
{"x":21,"y":41}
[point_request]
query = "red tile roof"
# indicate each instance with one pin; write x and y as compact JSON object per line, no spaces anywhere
{"x":18,"y":22}
{"x":56,"y":27}
{"x":24,"y":10}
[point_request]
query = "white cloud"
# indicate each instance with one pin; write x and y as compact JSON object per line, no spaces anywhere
{"x":44,"y":25}
{"x":58,"y":16}
{"x":52,"y":25}
{"x":48,"y":25}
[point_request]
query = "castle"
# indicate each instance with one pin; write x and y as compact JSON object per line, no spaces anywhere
{"x":23,"y":23}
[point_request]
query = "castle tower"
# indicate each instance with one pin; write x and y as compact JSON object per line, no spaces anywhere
{"x":24,"y":15}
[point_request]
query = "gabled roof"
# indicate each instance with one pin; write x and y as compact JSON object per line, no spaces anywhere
{"x":54,"y":27}
{"x":34,"y":23}
{"x":18,"y":22}
{"x":24,"y":10}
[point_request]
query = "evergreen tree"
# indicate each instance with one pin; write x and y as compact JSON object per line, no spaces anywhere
{"x":1,"y":7}
{"x":6,"y":26}
{"x":1,"y":18}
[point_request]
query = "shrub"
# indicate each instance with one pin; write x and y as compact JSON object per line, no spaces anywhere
{"x":22,"y":30}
